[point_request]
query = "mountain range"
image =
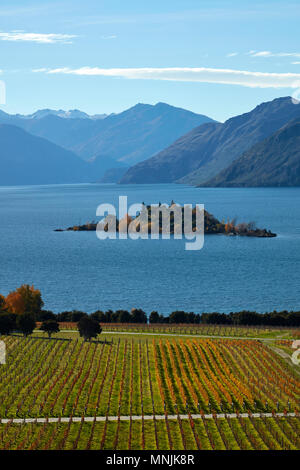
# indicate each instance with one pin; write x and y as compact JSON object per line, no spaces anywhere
{"x":169,"y":144}
{"x":201,"y":154}
{"x":71,"y":114}
{"x":117,"y":140}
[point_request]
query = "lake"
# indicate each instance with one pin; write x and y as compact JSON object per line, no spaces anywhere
{"x":75,"y":270}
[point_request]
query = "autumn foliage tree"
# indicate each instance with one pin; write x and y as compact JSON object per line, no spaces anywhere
{"x":2,"y":303}
{"x":25,"y":299}
{"x":230,"y":226}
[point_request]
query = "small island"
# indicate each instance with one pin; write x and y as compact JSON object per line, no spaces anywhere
{"x":212,"y":226}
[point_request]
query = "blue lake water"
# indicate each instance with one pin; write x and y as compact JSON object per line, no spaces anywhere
{"x":78,"y":271}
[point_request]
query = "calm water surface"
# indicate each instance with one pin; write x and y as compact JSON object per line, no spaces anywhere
{"x":76,"y":270}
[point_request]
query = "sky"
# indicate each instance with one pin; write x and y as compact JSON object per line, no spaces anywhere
{"x":218,"y":58}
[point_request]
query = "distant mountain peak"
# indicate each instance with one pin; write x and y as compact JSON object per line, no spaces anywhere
{"x":202,"y":153}
{"x":161,"y":104}
{"x":70,"y":114}
{"x":273,"y":162}
{"x":120,"y":139}
{"x":276,"y":103}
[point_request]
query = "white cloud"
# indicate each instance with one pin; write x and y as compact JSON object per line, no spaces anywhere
{"x":36,"y":37}
{"x":273,"y":54}
{"x":186,"y":74}
{"x":232,"y":54}
{"x":295,"y":63}
{"x":260,"y":54}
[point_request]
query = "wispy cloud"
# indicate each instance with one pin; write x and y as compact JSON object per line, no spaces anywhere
{"x":273,"y":54}
{"x":30,"y":10}
{"x":186,"y":74}
{"x":112,"y":36}
{"x":36,"y":37}
{"x":232,"y":54}
{"x":296,"y":63}
{"x":43,"y":69}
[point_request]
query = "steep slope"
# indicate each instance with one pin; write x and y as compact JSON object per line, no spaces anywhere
{"x":130,"y":136}
{"x":26,"y":159}
{"x":273,"y":162}
{"x":204,"y":152}
{"x":177,"y":160}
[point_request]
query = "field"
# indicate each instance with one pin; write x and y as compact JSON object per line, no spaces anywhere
{"x":180,"y":434}
{"x":201,"y":330}
{"x":146,"y":392}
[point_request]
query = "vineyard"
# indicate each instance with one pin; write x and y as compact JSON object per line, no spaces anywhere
{"x":189,"y":434}
{"x":146,"y":384}
{"x":190,"y":329}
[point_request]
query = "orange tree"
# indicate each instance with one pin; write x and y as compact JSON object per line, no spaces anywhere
{"x":24,"y":299}
{"x":2,"y":303}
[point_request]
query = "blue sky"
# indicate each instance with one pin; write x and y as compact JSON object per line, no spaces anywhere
{"x":219,"y":58}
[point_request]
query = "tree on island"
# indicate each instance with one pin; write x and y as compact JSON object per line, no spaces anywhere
{"x":88,"y":328}
{"x":25,"y":323}
{"x":7,"y":324}
{"x":50,"y":327}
